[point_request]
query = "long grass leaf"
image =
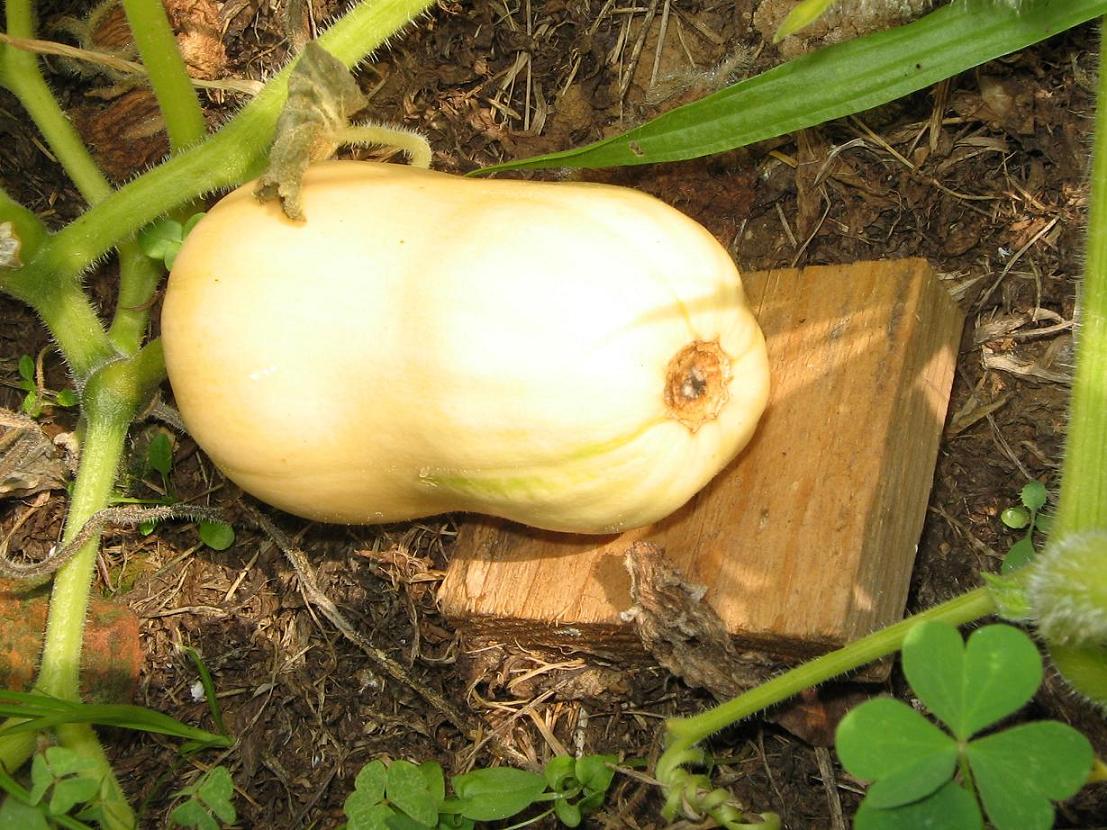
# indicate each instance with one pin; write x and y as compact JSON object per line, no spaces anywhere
{"x":833,"y":82}
{"x":45,"y":712}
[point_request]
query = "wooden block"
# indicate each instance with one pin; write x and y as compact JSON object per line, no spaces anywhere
{"x":808,"y":538}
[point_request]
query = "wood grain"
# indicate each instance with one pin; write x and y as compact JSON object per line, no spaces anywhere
{"x":807,"y":539}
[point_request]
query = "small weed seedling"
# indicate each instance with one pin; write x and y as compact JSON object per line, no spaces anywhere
{"x":163,"y":239}
{"x":404,"y":796}
{"x":36,"y":398}
{"x":926,"y":777}
{"x":207,"y":804}
{"x":159,"y":458}
{"x":1025,"y":516}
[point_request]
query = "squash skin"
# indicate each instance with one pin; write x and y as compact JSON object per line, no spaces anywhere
{"x":426,"y":343}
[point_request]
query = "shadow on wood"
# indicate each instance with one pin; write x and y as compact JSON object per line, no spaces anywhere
{"x":808,"y":538}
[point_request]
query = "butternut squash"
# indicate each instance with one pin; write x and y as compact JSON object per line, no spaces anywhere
{"x":575,"y":357}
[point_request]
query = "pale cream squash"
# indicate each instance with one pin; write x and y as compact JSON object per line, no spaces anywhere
{"x":571,"y":356}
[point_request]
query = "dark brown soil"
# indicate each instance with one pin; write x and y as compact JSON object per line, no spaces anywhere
{"x":996,"y":203}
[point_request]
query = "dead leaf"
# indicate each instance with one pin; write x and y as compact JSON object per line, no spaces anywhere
{"x":29,"y":461}
{"x":814,"y":715}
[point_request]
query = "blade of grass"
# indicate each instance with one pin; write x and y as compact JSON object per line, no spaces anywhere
{"x":44,"y":711}
{"x":832,"y":82}
{"x":209,"y":689}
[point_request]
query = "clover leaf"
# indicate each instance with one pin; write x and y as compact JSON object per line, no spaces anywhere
{"x":969,"y":687}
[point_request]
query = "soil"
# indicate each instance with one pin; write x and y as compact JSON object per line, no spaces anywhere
{"x":984,"y":176}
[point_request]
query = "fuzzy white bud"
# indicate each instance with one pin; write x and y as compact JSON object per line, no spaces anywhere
{"x":1068,"y":590}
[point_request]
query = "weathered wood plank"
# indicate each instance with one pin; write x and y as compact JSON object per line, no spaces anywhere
{"x":808,"y":538}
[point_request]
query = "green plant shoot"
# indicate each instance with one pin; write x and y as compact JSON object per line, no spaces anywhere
{"x":1026,"y":517}
{"x":401,"y":794}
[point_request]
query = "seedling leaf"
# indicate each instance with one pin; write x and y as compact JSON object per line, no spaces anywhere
{"x":567,"y":813}
{"x":560,"y":772}
{"x":1019,"y":771}
{"x":371,"y":780}
{"x":594,"y":773}
{"x":1020,"y":553}
{"x":1034,"y":496}
{"x":159,"y":454}
{"x":216,"y":789}
{"x":885,"y":740}
{"x":933,"y":660}
{"x":407,"y":789}
{"x":216,"y":535}
{"x":161,"y":239}
{"x":192,"y":814}
{"x":67,"y":398}
{"x":435,"y":779}
{"x":949,"y":808}
{"x":801,"y":17}
{"x":915,"y":780}
{"x":1015,"y":518}
{"x":27,"y":368}
{"x":67,"y":773}
{"x":31,"y":405}
{"x":209,"y":804}
{"x":365,"y":812}
{"x":497,"y":793}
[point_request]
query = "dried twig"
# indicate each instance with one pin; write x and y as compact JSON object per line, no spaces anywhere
{"x":316,"y":597}
{"x":830,"y":785}
{"x":126,"y":516}
{"x":125,"y":67}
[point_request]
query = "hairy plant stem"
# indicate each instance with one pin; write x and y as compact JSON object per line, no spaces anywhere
{"x":185,"y":125}
{"x":59,"y":301}
{"x":1082,"y":504}
{"x":67,"y":313}
{"x":103,"y":443}
{"x":24,"y":79}
{"x":232,"y":155}
{"x":184,"y":121}
{"x":683,"y":733}
{"x":180,"y":108}
{"x":139,"y":277}
{"x":110,"y":401}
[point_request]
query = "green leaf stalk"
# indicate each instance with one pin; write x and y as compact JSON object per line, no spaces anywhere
{"x":1066,"y":586}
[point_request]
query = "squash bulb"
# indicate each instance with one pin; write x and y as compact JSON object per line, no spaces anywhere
{"x":575,"y":357}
